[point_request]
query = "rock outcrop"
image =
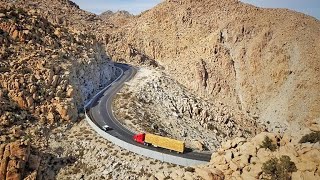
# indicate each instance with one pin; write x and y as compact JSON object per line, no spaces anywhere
{"x":244,"y":159}
{"x":13,"y":119}
{"x":17,"y":162}
{"x":118,"y":19}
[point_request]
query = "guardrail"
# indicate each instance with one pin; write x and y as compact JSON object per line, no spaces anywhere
{"x":133,"y":148}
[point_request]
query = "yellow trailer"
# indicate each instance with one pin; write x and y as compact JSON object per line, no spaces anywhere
{"x":164,"y":142}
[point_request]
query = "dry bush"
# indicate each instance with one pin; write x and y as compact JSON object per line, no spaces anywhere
{"x":276,"y":169}
{"x":313,"y":137}
{"x":267,"y":144}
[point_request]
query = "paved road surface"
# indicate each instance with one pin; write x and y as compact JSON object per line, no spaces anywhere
{"x":101,"y":113}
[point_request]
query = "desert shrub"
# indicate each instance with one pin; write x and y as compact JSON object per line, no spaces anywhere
{"x":212,"y":127}
{"x":2,"y":10}
{"x":267,"y":144}
{"x":247,"y":131}
{"x":25,"y":71}
{"x":276,"y":169}
{"x":20,"y":11}
{"x":189,"y":169}
{"x":313,"y":137}
{"x":153,"y":163}
{"x":4,"y":69}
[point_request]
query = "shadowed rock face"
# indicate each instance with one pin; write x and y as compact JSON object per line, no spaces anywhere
{"x":261,"y":62}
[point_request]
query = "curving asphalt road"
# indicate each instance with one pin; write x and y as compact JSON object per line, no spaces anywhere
{"x":100,"y":111}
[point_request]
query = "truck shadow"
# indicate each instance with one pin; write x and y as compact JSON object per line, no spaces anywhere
{"x":188,"y":150}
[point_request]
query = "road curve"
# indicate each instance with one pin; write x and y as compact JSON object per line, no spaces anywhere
{"x":99,"y":110}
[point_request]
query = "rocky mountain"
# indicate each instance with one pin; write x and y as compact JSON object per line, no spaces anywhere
{"x":261,"y":62}
{"x":118,"y":18}
{"x":221,"y":68}
{"x":67,"y":14}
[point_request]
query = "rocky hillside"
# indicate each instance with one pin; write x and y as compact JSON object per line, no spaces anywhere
{"x":153,"y":102}
{"x":62,"y":12}
{"x":266,"y":156}
{"x":251,"y":160}
{"x":261,"y":62}
{"x":69,"y":15}
{"x":47,"y":69}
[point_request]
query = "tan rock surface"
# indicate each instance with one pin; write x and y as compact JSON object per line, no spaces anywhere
{"x":15,"y":160}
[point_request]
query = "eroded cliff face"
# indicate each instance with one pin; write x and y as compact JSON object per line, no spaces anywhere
{"x":262,"y":62}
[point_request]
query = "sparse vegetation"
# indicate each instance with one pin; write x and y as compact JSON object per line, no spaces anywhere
{"x":4,"y":69}
{"x":276,"y":169}
{"x":247,"y":131}
{"x":267,"y":144}
{"x":189,"y":169}
{"x":313,"y":137}
{"x":213,"y":128}
{"x":152,"y":163}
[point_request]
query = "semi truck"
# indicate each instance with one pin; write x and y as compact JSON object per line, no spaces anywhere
{"x":159,"y":141}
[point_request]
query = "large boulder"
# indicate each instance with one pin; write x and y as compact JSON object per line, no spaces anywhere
{"x":209,"y":174}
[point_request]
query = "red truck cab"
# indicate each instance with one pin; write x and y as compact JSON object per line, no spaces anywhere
{"x":139,"y":138}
